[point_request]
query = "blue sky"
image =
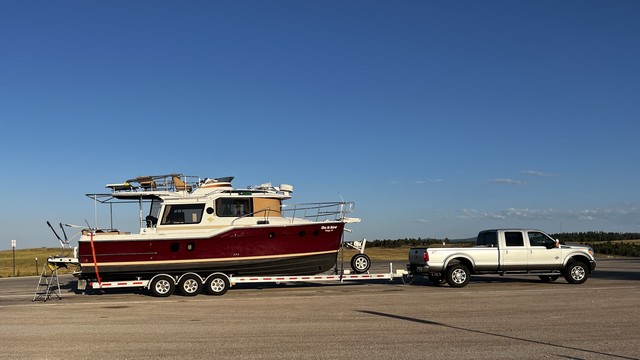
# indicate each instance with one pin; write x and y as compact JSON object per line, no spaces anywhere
{"x":438,"y":119}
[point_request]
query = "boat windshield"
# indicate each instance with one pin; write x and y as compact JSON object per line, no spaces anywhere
{"x":182,"y":214}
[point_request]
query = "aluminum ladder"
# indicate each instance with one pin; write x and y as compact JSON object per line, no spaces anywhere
{"x":48,"y":284}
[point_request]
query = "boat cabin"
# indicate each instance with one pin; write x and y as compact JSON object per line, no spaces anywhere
{"x":178,"y":202}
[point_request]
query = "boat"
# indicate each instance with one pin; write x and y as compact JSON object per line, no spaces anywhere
{"x":203,"y":226}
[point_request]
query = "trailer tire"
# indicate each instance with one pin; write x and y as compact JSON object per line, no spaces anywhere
{"x":190,"y":285}
{"x":457,"y":275}
{"x":360,"y":263}
{"x":576,"y":272}
{"x":217,"y":284}
{"x":162,"y":286}
{"x":437,"y":280}
{"x":408,"y":279}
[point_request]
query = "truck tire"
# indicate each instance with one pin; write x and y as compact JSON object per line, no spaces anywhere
{"x":162,"y":286}
{"x":576,"y":272}
{"x":190,"y":285}
{"x":217,"y":284}
{"x":457,"y":275}
{"x":360,"y":263}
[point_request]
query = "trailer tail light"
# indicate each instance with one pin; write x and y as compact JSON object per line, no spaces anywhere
{"x":426,"y":257}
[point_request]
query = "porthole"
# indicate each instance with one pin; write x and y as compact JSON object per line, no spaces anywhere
{"x":272,"y":235}
{"x":302,"y":233}
{"x":209,"y":210}
{"x":316,"y":232}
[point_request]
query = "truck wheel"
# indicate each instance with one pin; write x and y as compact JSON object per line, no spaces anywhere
{"x":576,"y":272}
{"x":162,"y":286}
{"x":190,"y":285}
{"x":457,"y":275}
{"x":360,"y":263}
{"x":217,"y":284}
{"x":548,"y":278}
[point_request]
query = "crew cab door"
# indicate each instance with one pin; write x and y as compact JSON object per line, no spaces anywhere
{"x":514,"y":254}
{"x":543,"y":253}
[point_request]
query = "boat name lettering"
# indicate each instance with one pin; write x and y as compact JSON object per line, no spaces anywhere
{"x":329,"y":228}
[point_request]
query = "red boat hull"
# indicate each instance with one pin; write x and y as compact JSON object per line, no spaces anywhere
{"x":270,"y":250}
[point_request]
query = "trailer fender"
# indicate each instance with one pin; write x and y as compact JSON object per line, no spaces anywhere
{"x":157,"y":275}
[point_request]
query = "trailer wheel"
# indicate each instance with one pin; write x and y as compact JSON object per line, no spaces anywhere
{"x":190,"y":285}
{"x":217,"y":284}
{"x":162,"y":286}
{"x":458,"y":275}
{"x":576,"y":272}
{"x":437,"y":280}
{"x":360,"y":263}
{"x":408,"y":279}
{"x":548,"y":278}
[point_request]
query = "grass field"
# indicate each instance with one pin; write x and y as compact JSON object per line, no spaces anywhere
{"x":26,"y":258}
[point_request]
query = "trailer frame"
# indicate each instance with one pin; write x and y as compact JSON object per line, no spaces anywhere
{"x":218,"y":283}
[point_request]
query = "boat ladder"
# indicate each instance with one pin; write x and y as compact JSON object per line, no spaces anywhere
{"x":48,"y":284}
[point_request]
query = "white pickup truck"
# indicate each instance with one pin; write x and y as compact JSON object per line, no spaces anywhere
{"x":503,"y":251}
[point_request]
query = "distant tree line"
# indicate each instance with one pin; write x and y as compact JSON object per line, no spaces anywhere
{"x":607,"y":243}
{"x":593,"y":236}
{"x":616,"y":248}
{"x":388,"y":243}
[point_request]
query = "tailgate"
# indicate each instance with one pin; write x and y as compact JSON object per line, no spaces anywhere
{"x":416,"y":256}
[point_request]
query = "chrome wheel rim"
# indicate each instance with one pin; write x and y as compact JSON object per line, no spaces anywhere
{"x":217,"y":285}
{"x":361,"y":263}
{"x":190,"y":286}
{"x":459,"y":276}
{"x":577,"y":273}
{"x":163,"y":287}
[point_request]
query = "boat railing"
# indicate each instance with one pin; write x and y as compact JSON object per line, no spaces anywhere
{"x":318,"y":211}
{"x":325,"y":211}
{"x":169,"y":182}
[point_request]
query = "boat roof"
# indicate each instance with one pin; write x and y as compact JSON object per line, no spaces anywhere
{"x":178,"y":186}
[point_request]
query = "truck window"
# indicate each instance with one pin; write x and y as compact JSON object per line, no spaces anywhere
{"x":514,"y":238}
{"x":540,"y":239}
{"x":487,"y":238}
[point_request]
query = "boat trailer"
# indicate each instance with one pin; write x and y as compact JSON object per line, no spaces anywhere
{"x":190,"y":284}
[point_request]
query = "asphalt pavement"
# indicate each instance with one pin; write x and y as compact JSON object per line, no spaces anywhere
{"x":492,"y":318}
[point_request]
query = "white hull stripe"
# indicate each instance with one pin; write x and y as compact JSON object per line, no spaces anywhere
{"x":191,"y":261}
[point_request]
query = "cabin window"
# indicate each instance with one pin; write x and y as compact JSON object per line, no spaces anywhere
{"x":514,"y":238}
{"x":182,"y":214}
{"x":233,"y":207}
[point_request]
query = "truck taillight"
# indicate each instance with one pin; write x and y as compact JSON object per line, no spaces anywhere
{"x":426,"y":256}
